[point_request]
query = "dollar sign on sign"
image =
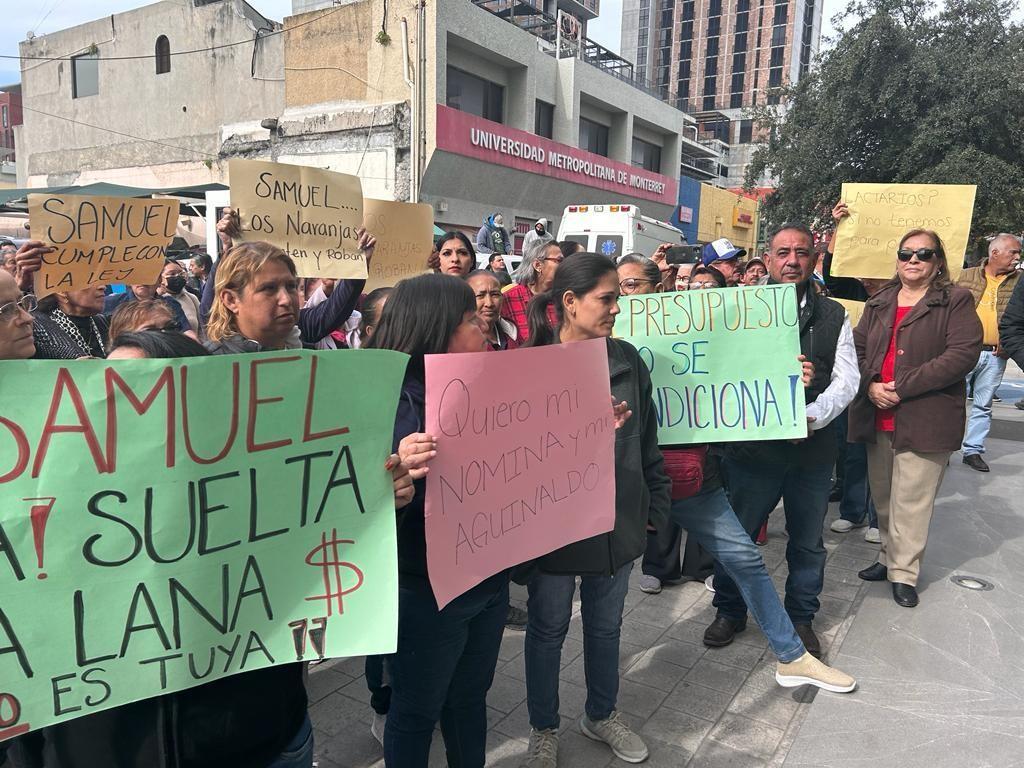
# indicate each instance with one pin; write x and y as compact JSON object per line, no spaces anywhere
{"x":331,"y":566}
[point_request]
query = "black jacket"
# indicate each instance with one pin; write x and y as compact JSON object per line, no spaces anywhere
{"x":642,"y":489}
{"x":412,"y":544}
{"x":1011,"y":325}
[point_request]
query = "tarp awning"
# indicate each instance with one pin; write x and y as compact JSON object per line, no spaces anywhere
{"x":16,"y":200}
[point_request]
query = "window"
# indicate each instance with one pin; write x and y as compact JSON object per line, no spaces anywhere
{"x":609,"y":245}
{"x":713,"y":46}
{"x":85,"y":75}
{"x":163,"y":55}
{"x":737,"y":82}
{"x":778,"y":36}
{"x":710,"y":67}
{"x":686,"y":30}
{"x":544,"y":120}
{"x":469,"y":93}
{"x":781,"y":15}
{"x":777,"y":56}
{"x":739,"y":62}
{"x":715,"y":8}
{"x":715,"y":26}
{"x":775,"y":77}
{"x":686,"y":50}
{"x":593,"y":137}
{"x":5,"y":118}
{"x":646,"y":155}
{"x":688,"y":10}
{"x":736,"y":99}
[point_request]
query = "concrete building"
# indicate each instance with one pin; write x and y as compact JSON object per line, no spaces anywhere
{"x":722,"y":56}
{"x":140,"y":97}
{"x":498,"y":119}
{"x":10,"y":119}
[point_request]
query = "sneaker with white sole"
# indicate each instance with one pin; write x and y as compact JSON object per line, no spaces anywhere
{"x":543,"y":750}
{"x":840,"y":525}
{"x":709,"y":583}
{"x":614,"y":732}
{"x":650,"y":584}
{"x":873,"y":536}
{"x":807,"y":670}
{"x":377,"y":727}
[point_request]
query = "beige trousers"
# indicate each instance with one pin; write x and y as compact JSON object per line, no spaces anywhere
{"x":903,"y":486}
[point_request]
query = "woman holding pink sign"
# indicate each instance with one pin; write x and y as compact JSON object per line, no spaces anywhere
{"x":585,"y":295}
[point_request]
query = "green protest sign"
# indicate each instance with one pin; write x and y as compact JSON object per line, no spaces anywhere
{"x":164,"y":523}
{"x":723,"y":362}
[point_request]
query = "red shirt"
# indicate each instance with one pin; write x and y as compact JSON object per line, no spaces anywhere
{"x":514,"y":309}
{"x":885,"y":419}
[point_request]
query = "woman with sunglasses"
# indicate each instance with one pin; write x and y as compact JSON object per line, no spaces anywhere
{"x":918,"y":339}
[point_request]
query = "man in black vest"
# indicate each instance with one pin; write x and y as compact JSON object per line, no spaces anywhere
{"x":799,"y":473}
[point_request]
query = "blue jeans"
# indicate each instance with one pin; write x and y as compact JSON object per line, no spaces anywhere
{"x":709,"y":517}
{"x":442,"y":670}
{"x":984,"y":380}
{"x":755,"y":490}
{"x":299,"y":752}
{"x":856,"y":501}
{"x":549,"y":609}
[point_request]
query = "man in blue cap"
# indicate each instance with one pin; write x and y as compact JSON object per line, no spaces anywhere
{"x":725,"y":257}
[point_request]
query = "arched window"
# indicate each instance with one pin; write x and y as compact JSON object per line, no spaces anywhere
{"x":163,"y":55}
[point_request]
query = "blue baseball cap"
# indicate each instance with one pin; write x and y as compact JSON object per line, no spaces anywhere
{"x":721,"y":250}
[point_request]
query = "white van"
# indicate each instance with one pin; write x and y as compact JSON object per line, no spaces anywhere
{"x":614,"y":230}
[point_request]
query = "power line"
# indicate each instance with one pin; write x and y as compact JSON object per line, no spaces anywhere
{"x":119,"y":133}
{"x":181,"y":53}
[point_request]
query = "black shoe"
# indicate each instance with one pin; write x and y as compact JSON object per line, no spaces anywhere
{"x":974,"y":461}
{"x":809,"y":639}
{"x":1019,"y":405}
{"x":904,"y":595}
{"x":721,"y":631}
{"x":876,"y":572}
{"x":515,"y":619}
{"x":836,"y":494}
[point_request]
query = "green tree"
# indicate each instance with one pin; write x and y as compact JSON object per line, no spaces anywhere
{"x":906,"y":94}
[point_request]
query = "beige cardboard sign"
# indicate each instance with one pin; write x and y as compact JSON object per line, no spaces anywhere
{"x":855,"y":309}
{"x":405,"y":236}
{"x":311,"y":214}
{"x":880,"y":214}
{"x":100,"y":240}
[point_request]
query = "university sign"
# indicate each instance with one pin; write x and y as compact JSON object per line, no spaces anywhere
{"x":464,"y":134}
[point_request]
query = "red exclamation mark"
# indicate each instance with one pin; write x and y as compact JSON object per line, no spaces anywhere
{"x":38,"y":515}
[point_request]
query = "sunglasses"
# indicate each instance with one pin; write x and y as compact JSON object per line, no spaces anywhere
{"x":923,"y":254}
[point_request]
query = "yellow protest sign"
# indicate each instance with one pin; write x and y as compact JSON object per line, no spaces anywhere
{"x":855,"y":309}
{"x":880,"y":214}
{"x":313,"y":215}
{"x":405,"y":236}
{"x":100,"y":240}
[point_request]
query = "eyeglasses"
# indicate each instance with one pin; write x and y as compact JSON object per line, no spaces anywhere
{"x":630,"y":284}
{"x":8,"y":312}
{"x":556,"y":259}
{"x":923,"y":254}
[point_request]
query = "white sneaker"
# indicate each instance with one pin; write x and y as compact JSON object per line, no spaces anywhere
{"x":543,"y":750}
{"x":650,"y":584}
{"x":616,"y":734}
{"x":709,"y":583}
{"x":377,"y":727}
{"x":872,"y":535}
{"x":839,"y":525}
{"x":807,"y":670}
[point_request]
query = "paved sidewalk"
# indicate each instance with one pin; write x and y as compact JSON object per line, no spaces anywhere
{"x":694,"y":706}
{"x":940,"y":684}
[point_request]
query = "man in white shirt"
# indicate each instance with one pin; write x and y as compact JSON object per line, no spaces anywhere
{"x":759,"y":474}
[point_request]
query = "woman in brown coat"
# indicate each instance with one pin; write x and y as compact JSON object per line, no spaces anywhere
{"x":918,"y":339}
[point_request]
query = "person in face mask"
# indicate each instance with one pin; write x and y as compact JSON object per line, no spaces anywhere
{"x":172,"y":286}
{"x":539,"y":234}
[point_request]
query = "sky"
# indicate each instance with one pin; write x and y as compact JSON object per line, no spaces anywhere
{"x":52,"y":15}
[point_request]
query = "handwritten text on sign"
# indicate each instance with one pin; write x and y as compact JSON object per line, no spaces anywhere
{"x":404,"y":232}
{"x":313,"y":215}
{"x":525,"y":464}
{"x":100,"y":240}
{"x":723,"y":362}
{"x":880,"y":214}
{"x":167,"y":523}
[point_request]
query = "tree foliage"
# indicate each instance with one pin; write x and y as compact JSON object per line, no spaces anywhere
{"x":907,"y":93}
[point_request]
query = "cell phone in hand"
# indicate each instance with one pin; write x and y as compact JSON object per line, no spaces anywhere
{"x":682,"y":254}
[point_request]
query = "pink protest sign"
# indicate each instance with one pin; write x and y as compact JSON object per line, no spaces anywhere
{"x":525,"y":461}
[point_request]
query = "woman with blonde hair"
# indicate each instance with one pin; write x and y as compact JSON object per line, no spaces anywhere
{"x":916,"y":342}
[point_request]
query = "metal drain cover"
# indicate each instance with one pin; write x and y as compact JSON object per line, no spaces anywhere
{"x":972,"y":582}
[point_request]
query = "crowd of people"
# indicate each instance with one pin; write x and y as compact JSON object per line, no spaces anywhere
{"x":886,"y":408}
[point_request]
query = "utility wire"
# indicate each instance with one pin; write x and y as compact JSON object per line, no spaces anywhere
{"x":179,"y":53}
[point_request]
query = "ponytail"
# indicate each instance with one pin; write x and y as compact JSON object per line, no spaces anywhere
{"x":541,"y":332}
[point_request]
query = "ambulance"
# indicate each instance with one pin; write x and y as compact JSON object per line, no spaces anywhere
{"x":614,"y":230}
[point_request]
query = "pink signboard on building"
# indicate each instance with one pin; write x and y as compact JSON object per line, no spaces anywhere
{"x":464,"y":134}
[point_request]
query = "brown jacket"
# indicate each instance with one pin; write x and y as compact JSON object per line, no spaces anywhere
{"x":973,"y":279}
{"x":938,"y":344}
